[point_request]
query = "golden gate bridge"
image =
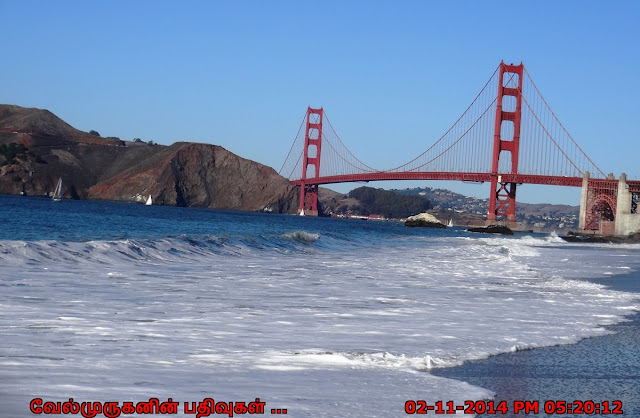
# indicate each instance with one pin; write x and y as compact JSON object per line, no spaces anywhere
{"x":507,"y":136}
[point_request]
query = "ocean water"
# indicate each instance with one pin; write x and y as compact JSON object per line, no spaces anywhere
{"x":107,"y":302}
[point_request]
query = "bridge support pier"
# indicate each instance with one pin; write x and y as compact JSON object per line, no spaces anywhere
{"x":502,"y":200}
{"x":308,"y":200}
{"x":628,"y":213}
{"x":311,"y":157}
{"x":583,"y":200}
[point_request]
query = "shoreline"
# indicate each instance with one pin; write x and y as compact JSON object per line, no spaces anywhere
{"x":600,"y":368}
{"x":596,"y":238}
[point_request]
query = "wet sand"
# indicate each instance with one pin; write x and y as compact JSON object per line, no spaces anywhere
{"x":605,"y":368}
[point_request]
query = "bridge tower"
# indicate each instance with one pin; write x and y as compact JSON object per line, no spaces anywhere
{"x":502,"y":201}
{"x":311,"y":157}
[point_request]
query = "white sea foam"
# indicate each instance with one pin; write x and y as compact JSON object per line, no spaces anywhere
{"x":303,"y":330}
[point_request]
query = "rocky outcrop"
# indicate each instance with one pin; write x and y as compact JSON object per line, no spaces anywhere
{"x":183,"y":174}
{"x":424,"y":220}
{"x":492,"y":229}
{"x":596,"y":238}
{"x":201,"y":175}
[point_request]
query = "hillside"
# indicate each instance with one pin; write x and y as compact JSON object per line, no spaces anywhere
{"x":40,"y":127}
{"x":39,"y":148}
{"x":544,"y":216}
{"x":445,"y":205}
{"x":368,"y":201}
{"x":387,"y":203}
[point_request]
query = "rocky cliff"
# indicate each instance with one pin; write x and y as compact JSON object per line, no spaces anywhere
{"x":202,"y":175}
{"x":36,"y":148}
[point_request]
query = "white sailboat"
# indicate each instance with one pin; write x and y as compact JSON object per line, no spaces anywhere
{"x":149,"y":201}
{"x":301,"y":212}
{"x":57,"y":193}
{"x":450,"y":222}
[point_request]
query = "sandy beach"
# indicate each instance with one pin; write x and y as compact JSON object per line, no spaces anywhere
{"x":598,"y":369}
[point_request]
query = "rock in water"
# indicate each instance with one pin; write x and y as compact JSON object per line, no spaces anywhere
{"x":591,"y":238}
{"x":424,"y":220}
{"x":492,"y":229}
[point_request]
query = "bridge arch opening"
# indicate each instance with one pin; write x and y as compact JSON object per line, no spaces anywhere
{"x":314,"y":133}
{"x":505,"y":164}
{"x":509,"y":103}
{"x":511,"y":79}
{"x":311,"y":171}
{"x":601,"y":216}
{"x":312,"y":151}
{"x":507,"y":130}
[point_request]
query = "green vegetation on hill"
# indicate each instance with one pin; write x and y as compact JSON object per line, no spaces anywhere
{"x":543,"y":216}
{"x":387,"y":203}
{"x":14,"y":150}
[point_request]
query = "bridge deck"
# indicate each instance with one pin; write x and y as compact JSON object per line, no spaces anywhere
{"x":471,"y":177}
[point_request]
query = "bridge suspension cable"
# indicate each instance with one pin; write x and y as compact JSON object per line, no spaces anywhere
{"x":545,"y":146}
{"x":452,"y":140}
{"x":291,"y":152}
{"x":543,"y":122}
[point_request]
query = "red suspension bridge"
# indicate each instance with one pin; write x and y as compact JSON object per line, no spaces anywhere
{"x":507,"y":136}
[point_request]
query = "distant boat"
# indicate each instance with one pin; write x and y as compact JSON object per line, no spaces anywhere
{"x":149,"y":202}
{"x":450,"y":222}
{"x":57,"y":193}
{"x":301,"y":212}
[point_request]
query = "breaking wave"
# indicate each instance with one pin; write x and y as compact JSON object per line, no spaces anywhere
{"x":302,"y":236}
{"x":180,"y":248}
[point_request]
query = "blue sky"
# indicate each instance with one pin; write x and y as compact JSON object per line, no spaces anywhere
{"x":392,"y":76}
